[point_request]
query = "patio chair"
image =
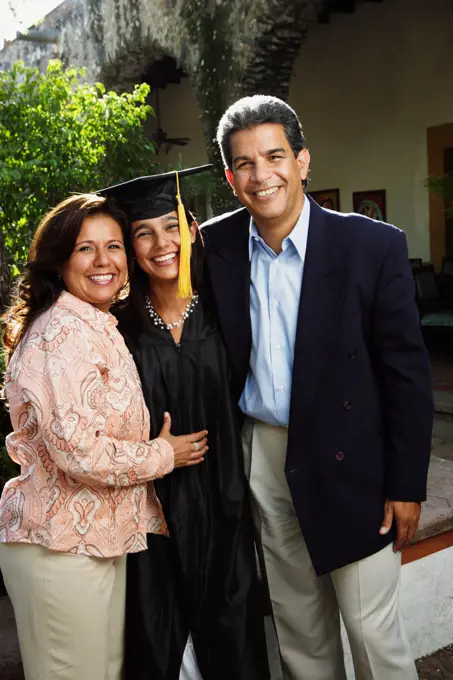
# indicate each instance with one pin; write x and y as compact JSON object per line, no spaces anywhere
{"x":446,"y":280}
{"x":433,"y":311}
{"x":447,"y":266}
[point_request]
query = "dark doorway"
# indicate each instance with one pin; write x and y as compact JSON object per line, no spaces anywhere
{"x":440,"y":161}
{"x":448,"y":168}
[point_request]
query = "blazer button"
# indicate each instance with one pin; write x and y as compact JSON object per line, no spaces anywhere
{"x":347,"y":406}
{"x":353,"y":354}
{"x":339,"y":455}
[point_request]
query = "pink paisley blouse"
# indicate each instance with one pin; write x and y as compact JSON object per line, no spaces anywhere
{"x":80,"y":430}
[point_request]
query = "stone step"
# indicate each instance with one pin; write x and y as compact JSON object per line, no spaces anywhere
{"x":443,"y":401}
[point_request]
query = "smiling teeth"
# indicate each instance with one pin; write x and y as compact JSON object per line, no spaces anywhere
{"x":165,"y":258}
{"x":267,"y":192}
{"x":102,"y":278}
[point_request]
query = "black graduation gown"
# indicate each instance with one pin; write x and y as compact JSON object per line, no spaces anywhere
{"x":203,"y":577}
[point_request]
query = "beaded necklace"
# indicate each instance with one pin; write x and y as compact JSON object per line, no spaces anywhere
{"x":160,"y":323}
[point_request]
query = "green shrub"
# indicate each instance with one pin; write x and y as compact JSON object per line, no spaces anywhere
{"x":443,"y":186}
{"x":59,"y":134}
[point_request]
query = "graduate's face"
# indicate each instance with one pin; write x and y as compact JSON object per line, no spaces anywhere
{"x":97,"y":268}
{"x":156,"y":245}
{"x":265,"y":174}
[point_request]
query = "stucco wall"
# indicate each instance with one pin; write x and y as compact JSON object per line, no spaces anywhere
{"x":36,"y":53}
{"x":366,"y":87}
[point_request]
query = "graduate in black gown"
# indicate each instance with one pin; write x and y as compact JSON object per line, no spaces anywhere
{"x":194,"y":594}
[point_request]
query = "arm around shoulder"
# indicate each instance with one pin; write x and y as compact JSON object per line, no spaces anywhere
{"x":66,"y":388}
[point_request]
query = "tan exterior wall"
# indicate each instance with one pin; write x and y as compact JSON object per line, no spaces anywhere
{"x":366,"y":87}
{"x":179,"y":114}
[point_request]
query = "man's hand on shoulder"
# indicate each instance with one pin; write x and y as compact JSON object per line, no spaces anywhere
{"x":406,"y":514}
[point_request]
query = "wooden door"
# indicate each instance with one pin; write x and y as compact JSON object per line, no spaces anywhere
{"x":440,"y":161}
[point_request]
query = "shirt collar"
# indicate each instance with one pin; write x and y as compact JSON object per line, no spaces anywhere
{"x":86,"y":311}
{"x":298,"y":236}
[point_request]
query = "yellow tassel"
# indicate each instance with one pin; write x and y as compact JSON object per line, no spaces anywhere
{"x":184,"y":278}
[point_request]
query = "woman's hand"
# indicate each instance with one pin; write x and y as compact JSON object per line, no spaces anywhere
{"x":189,"y":448}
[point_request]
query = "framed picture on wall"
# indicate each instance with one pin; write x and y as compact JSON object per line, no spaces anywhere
{"x":370,"y":203}
{"x":328,"y":198}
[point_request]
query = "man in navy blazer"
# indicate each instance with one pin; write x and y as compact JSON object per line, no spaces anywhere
{"x":329,"y":367}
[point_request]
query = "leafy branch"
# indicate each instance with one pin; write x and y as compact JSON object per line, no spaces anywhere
{"x":443,"y":186}
{"x":59,"y":134}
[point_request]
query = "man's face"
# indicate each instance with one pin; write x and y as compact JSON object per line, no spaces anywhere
{"x":265,"y":175}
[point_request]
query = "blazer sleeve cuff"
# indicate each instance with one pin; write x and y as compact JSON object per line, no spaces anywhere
{"x":406,"y":494}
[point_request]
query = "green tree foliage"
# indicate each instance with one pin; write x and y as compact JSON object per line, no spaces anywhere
{"x":443,"y":186}
{"x":59,"y":134}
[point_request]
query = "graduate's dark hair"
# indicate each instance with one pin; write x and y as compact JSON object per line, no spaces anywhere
{"x":259,"y":109}
{"x":132,"y":312}
{"x":53,"y":244}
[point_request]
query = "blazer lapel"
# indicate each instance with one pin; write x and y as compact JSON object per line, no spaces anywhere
{"x":229,"y":272}
{"x":323,"y":291}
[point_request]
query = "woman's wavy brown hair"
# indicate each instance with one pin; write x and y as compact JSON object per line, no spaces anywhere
{"x":53,"y":244}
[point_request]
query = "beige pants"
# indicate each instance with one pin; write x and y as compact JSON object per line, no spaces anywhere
{"x":69,"y":612}
{"x":306,"y":607}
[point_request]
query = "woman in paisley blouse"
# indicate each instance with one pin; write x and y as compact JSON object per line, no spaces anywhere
{"x":83,"y":498}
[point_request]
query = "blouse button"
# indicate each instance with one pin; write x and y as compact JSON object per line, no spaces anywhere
{"x":339,"y":455}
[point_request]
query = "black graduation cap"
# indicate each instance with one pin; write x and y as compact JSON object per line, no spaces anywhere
{"x":153,"y":196}
{"x":150,"y":196}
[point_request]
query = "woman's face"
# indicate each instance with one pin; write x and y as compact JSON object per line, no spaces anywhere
{"x":97,"y":268}
{"x":156,"y":245}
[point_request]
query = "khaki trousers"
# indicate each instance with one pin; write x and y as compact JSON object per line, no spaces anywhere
{"x":69,"y":612}
{"x":306,"y":607}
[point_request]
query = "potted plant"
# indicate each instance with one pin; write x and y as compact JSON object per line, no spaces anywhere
{"x":443,"y":186}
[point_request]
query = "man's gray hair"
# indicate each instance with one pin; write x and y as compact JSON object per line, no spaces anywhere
{"x":249,"y":112}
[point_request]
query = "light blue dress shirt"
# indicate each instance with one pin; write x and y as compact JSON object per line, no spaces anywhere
{"x":275,"y":285}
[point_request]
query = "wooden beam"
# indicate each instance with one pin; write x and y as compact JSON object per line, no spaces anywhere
{"x":426,"y":547}
{"x":47,"y":37}
{"x":439,"y":138}
{"x":344,"y":6}
{"x":162,"y":72}
{"x":324,"y":16}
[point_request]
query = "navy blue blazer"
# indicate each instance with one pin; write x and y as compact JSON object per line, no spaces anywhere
{"x":361,"y":401}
